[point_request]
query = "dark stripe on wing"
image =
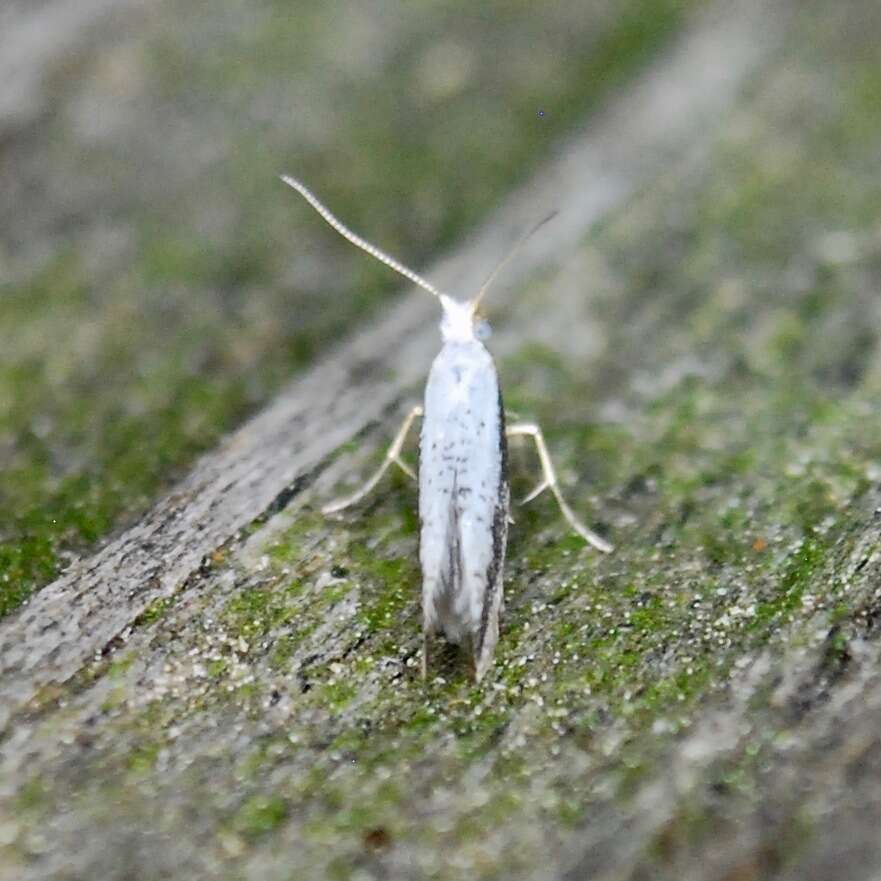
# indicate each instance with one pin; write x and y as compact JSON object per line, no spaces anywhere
{"x":494,"y":574}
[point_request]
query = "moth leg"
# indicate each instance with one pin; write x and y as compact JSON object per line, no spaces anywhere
{"x":424,"y":655}
{"x":549,"y":481}
{"x":393,"y":455}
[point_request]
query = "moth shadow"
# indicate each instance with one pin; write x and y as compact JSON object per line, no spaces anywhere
{"x":449,"y":660}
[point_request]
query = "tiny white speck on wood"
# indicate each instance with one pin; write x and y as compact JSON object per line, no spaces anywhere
{"x":464,"y":498}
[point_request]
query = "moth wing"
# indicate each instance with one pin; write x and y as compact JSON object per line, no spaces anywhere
{"x":463,"y":500}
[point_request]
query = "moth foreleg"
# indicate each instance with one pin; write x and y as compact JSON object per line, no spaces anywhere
{"x":393,"y":455}
{"x":549,"y":481}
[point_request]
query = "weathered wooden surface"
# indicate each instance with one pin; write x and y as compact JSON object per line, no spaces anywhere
{"x":77,"y":616}
{"x":704,"y":704}
{"x":156,"y":291}
{"x":33,"y":38}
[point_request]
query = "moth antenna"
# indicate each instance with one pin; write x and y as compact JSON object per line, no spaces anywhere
{"x":475,"y":303}
{"x":355,"y":239}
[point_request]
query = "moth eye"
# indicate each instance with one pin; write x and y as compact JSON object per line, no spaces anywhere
{"x":482,"y":330}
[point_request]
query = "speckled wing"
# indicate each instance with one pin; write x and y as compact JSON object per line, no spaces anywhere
{"x":463,"y":500}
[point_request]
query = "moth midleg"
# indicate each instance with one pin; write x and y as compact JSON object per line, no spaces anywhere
{"x":549,"y":481}
{"x":393,"y":455}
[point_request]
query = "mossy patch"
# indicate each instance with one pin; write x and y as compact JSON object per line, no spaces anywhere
{"x":725,"y":436}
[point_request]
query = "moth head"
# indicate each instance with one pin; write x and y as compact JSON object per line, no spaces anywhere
{"x":460,"y":321}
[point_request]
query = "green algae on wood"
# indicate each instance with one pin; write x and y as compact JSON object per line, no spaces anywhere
{"x":728,"y":441}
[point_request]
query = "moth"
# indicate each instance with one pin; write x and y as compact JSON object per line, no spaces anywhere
{"x":464,"y":496}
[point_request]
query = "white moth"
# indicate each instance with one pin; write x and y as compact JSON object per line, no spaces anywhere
{"x":464,"y":499}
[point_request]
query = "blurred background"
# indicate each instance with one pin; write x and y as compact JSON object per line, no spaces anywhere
{"x":703,"y":704}
{"x":158,"y":282}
